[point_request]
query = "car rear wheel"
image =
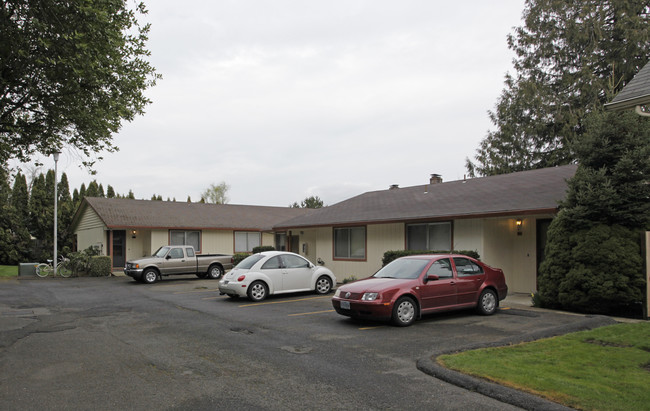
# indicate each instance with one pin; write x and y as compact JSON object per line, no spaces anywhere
{"x":149,"y":276}
{"x":404,"y":312}
{"x":215,"y":272}
{"x":488,"y":302}
{"x":257,"y":291}
{"x":323,"y":285}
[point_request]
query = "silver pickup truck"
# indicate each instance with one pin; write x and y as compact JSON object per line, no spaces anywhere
{"x":177,"y":260}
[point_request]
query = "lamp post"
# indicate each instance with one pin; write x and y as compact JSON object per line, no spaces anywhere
{"x":56,"y":161}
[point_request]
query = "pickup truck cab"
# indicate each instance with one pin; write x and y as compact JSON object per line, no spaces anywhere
{"x":177,"y":260}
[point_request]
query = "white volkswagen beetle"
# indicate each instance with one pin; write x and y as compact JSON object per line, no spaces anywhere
{"x":275,"y":272}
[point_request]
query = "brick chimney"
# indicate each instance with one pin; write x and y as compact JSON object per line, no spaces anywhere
{"x":435,"y":179}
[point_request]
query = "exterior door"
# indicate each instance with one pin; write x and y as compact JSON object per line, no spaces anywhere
{"x":470,"y":278}
{"x":119,"y":248}
{"x":441,"y":292}
{"x":297,"y":273}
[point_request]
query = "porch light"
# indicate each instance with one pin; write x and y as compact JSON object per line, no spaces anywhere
{"x":133,"y":233}
{"x":519,"y":224}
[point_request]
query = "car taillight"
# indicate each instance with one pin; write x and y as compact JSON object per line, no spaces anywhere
{"x":241,"y":278}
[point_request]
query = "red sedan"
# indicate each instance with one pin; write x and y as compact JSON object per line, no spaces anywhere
{"x":411,"y":286}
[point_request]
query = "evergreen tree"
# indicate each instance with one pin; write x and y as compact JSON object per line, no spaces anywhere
{"x":20,"y":199}
{"x":110,"y":192}
{"x":40,"y":214}
{"x":92,"y":190}
{"x":66,"y":210}
{"x":568,"y":54}
{"x":593,"y":254}
{"x":100,"y":191}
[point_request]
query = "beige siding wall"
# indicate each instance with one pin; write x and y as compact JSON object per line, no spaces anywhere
{"x":91,"y":231}
{"x":267,"y":239}
{"x":217,"y":242}
{"x":468,"y":235}
{"x":380,"y":238}
{"x":515,"y":254}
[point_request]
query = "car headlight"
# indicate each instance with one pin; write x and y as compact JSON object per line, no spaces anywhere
{"x":337,"y":293}
{"x":369,"y":296}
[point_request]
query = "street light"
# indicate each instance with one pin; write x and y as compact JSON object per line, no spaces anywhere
{"x":56,"y":161}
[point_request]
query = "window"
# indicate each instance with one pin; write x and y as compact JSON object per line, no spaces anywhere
{"x":281,"y":241}
{"x":245,"y":241}
{"x":441,"y":268}
{"x":293,"y":261}
{"x":350,"y":243}
{"x":180,"y":237}
{"x":272,"y":263}
{"x":432,"y":236}
{"x":176,"y":253}
{"x":465,"y":266}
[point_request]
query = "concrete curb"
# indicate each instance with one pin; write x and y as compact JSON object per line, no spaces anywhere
{"x":504,"y":394}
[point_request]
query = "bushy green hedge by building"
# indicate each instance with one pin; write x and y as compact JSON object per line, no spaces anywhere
{"x":395,"y":254}
{"x":99,"y":266}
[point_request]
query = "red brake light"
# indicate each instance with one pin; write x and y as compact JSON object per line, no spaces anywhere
{"x":241,"y":278}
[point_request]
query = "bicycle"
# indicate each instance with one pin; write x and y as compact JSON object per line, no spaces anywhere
{"x":62,"y":268}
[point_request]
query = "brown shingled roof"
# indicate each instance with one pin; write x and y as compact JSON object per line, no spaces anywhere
{"x":526,"y":192}
{"x":121,"y":213}
{"x":635,"y":93}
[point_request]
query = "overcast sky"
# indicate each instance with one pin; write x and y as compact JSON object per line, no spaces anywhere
{"x":288,"y":99}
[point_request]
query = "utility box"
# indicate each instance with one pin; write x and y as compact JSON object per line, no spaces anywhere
{"x":27,"y":269}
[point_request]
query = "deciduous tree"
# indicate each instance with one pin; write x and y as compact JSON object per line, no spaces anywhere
{"x":71,"y":73}
{"x":216,"y":194}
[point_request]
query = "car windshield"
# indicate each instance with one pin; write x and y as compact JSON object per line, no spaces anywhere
{"x":249,"y":261}
{"x":162,"y":251}
{"x":408,"y":268}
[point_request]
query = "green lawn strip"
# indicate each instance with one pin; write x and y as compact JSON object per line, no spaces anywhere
{"x":603,"y":369}
{"x":8,"y":270}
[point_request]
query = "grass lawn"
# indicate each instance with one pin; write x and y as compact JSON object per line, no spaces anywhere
{"x":603,"y":369}
{"x":8,"y":270}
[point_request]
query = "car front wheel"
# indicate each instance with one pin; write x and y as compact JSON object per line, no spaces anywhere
{"x":404,"y":312}
{"x":488,"y":302}
{"x":149,"y":276}
{"x":257,"y":291}
{"x":323,"y":285}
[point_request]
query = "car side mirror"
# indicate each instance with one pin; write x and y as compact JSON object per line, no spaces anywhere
{"x":167,"y":257}
{"x":431,"y":277}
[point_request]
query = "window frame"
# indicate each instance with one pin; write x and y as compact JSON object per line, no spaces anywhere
{"x":185,"y":233}
{"x":249,"y":248}
{"x":349,"y":256}
{"x":428,"y":225}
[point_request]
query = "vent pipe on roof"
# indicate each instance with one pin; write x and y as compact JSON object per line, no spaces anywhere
{"x":435,"y":179}
{"x":393,"y":186}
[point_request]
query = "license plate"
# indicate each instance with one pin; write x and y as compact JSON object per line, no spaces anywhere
{"x":225,"y":282}
{"x":345,"y":305}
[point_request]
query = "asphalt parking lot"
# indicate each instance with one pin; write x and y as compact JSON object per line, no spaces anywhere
{"x":112,"y":343}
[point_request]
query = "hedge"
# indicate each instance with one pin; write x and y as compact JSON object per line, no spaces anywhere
{"x":395,"y":254}
{"x":99,"y":266}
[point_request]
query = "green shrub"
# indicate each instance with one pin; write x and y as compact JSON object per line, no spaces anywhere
{"x":99,"y":266}
{"x":80,"y":260}
{"x":261,"y":248}
{"x":349,"y":279}
{"x":395,"y":254}
{"x":593,"y":270}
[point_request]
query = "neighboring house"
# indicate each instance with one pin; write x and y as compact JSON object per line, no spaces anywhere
{"x":504,"y":218}
{"x":126,"y":229}
{"x":635,"y":94}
